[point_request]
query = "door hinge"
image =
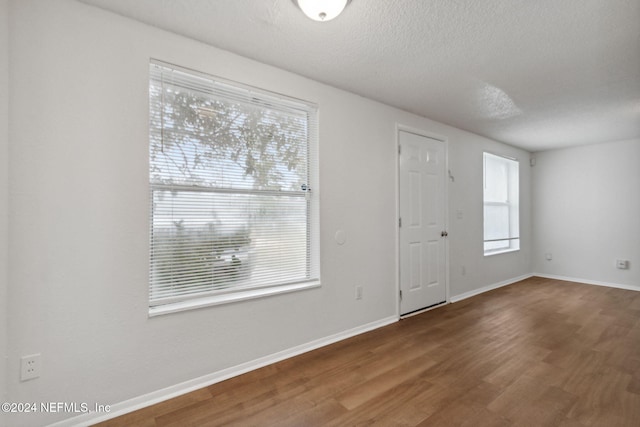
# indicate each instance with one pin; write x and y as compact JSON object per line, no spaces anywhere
{"x":399,"y":222}
{"x":399,"y":149}
{"x":400,"y":294}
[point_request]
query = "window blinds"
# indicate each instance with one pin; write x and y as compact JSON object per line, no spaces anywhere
{"x":232,"y":175}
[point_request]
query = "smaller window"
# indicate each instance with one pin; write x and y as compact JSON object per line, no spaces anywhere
{"x":501,"y":205}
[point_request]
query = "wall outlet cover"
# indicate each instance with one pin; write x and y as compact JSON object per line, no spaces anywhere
{"x":622,"y":264}
{"x":30,"y":367}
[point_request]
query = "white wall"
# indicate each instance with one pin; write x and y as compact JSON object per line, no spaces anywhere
{"x":79,"y":214}
{"x":4,"y":193}
{"x":586,"y":211}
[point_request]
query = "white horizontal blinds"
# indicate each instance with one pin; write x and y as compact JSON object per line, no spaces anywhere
{"x":230,"y":175}
{"x":501,"y":203}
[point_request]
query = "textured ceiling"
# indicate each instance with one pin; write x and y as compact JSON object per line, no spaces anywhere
{"x":535,"y":74}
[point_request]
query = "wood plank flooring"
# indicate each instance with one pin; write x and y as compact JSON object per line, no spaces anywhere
{"x":539,"y":352}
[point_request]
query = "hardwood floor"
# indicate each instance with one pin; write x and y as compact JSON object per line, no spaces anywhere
{"x":537,"y":353}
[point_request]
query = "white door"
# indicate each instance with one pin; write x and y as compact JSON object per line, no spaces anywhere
{"x":422,"y":222}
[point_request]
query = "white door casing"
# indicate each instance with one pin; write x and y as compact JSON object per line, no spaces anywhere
{"x":422,"y":197}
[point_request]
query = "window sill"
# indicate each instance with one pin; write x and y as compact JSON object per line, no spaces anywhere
{"x":228,"y":298}
{"x":500,"y":252}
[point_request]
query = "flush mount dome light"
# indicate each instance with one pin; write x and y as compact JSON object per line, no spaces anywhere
{"x":321,"y":10}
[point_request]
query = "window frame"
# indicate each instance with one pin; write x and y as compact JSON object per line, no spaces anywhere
{"x":263,"y":99}
{"x":512,"y":240}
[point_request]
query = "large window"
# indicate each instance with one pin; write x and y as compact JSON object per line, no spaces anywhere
{"x":501,"y":205}
{"x":234,"y":200}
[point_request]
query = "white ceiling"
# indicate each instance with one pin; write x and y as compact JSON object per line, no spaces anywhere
{"x":535,"y":74}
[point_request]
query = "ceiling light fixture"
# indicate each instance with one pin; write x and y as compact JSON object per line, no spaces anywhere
{"x":322,"y":10}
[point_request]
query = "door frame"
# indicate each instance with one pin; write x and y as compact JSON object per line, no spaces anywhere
{"x":448,"y":178}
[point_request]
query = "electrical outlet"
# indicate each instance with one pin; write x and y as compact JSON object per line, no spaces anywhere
{"x":622,"y":264}
{"x":358,"y":292}
{"x":30,"y":367}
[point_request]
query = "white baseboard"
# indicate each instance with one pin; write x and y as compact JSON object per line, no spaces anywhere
{"x":458,"y":298}
{"x":152,"y":398}
{"x":588,"y":282}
